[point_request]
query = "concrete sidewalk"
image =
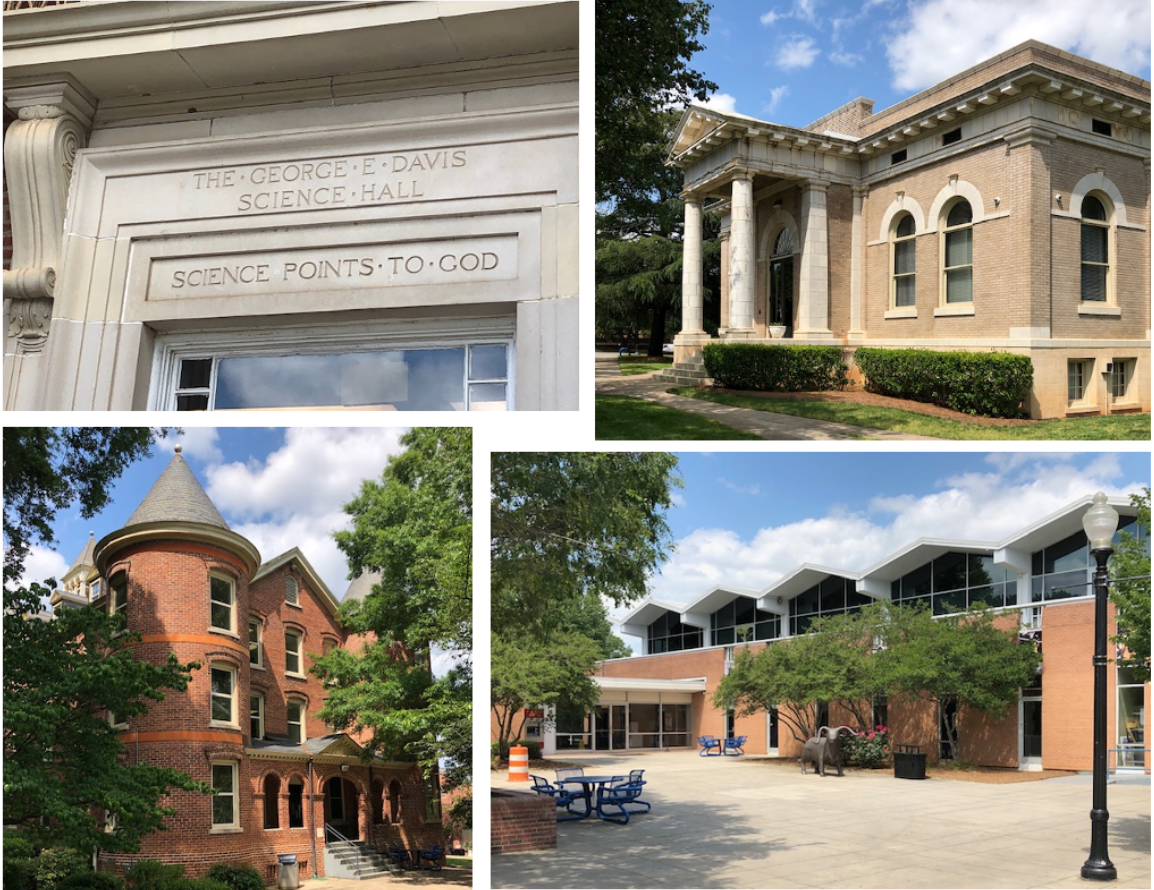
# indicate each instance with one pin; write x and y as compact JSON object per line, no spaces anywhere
{"x":761,"y":423}
{"x":730,"y":822}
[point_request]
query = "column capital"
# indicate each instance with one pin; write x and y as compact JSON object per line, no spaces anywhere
{"x":860,"y":191}
{"x":48,"y":97}
{"x":691,"y":198}
{"x":742,"y":174}
{"x":816,"y":185}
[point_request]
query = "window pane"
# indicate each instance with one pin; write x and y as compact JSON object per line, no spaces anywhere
{"x":903,"y":257}
{"x":906,"y":226}
{"x":1095,"y":240}
{"x":487,"y":397}
{"x":220,"y":590}
{"x":1092,"y":209}
{"x":784,"y":243}
{"x":1093,"y":284}
{"x":192,"y":403}
{"x":221,"y":682}
{"x":222,"y":779}
{"x":221,"y":709}
{"x":487,"y":362}
{"x":222,"y":810}
{"x":1068,"y":554}
{"x":959,"y":286}
{"x":949,"y":572}
{"x":195,"y":373}
{"x":959,"y":247}
{"x":221,"y":616}
{"x":960,"y":214}
{"x":405,"y":380}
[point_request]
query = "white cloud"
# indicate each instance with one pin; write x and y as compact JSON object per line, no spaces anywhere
{"x":806,"y":11}
{"x":201,"y":442}
{"x":798,"y":52}
{"x":775,"y":97}
{"x":1009,"y":460}
{"x":721,"y":102}
{"x":677,"y":499}
{"x":943,"y":37}
{"x":740,"y":489}
{"x":974,"y":506}
{"x":770,"y":17}
{"x":843,"y":58}
{"x":42,"y":564}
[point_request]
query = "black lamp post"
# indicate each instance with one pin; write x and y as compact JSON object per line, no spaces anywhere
{"x":1100,"y":523}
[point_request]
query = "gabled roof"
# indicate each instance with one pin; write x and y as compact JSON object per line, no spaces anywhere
{"x":802,"y":579}
{"x":650,"y":610}
{"x":920,"y":552}
{"x":305,"y":568}
{"x":177,"y":496}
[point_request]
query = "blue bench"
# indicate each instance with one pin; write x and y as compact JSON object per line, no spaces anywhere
{"x":623,"y":797}
{"x":709,"y":746}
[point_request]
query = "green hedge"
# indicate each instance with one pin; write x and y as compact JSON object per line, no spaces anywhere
{"x":995,"y":384}
{"x":775,"y":368}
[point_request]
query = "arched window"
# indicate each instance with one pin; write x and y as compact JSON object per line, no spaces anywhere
{"x":394,"y":802}
{"x":1095,"y":251}
{"x":958,"y":254}
{"x":291,"y":591}
{"x":902,"y":250}
{"x":271,"y":802}
{"x":783,"y":245}
{"x":378,"y":801}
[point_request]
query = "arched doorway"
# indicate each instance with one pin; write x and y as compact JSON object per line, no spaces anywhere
{"x":781,"y":281}
{"x":341,"y":807}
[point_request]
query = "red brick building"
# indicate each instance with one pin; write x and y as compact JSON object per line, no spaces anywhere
{"x":1039,"y":579}
{"x":247,"y":724}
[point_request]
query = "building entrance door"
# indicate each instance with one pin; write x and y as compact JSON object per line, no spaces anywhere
{"x":771,"y":719}
{"x":341,"y":807}
{"x":618,"y":727}
{"x":1031,"y":733}
{"x":781,"y":293}
{"x":601,"y":728}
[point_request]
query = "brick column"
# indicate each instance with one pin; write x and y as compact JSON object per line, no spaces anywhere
{"x":741,"y":255}
{"x":813,"y":309}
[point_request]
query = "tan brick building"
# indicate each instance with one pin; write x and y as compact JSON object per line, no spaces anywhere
{"x":247,"y":724}
{"x":1004,"y":209}
{"x":1038,"y":579}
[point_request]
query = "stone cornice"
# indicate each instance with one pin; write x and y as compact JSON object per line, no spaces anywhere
{"x":224,"y":538}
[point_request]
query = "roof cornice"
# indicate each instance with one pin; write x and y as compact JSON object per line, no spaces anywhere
{"x":143,"y":532}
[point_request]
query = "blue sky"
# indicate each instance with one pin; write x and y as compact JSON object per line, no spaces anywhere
{"x":792,"y":61}
{"x":749,"y":518}
{"x":279,"y":488}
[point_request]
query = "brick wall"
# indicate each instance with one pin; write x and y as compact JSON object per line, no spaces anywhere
{"x":522,"y":822}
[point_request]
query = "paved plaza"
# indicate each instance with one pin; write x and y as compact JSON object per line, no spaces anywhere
{"x":732,"y":822}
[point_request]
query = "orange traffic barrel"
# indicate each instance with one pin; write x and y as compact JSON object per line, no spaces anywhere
{"x":518,"y":764}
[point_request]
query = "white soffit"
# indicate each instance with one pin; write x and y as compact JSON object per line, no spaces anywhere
{"x":636,"y":684}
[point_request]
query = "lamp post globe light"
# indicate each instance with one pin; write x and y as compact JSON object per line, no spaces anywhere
{"x":1100,"y":523}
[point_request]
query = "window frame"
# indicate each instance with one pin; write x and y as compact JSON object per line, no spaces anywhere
{"x":118,"y":583}
{"x":945,"y":231}
{"x":259,"y":697}
{"x":432,"y":787}
{"x":234,"y":794}
{"x":897,"y":240}
{"x":300,"y":652}
{"x":296,"y":588}
{"x":256,"y":645}
{"x":1108,"y":297}
{"x":291,"y":702}
{"x":172,"y":349}
{"x":231,"y":582}
{"x":1085,"y":376}
{"x":1127,"y":376}
{"x":234,"y":686}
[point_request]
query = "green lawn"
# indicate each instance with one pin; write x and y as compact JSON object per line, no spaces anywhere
{"x":458,"y":862}
{"x":642,"y":365}
{"x":1122,"y":426}
{"x":620,"y":417}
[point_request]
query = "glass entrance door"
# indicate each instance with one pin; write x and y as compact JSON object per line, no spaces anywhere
{"x":618,"y":728}
{"x":601,"y":728}
{"x":781,"y":293}
{"x":1031,"y":732}
{"x":772,"y":718}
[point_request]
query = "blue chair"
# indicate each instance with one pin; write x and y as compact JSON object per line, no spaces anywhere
{"x":636,"y":774}
{"x":624,"y":797}
{"x":568,"y":772}
{"x":432,"y":856}
{"x":561,"y":796}
{"x":735,"y":747}
{"x":708,"y":744}
{"x":401,"y":856}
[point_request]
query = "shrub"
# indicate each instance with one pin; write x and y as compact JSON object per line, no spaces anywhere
{"x":91,"y":880}
{"x":760,"y":366}
{"x":53,"y":866}
{"x":995,"y":384}
{"x":237,"y":877}
{"x":869,"y":749}
{"x":206,"y":884}
{"x":17,"y":847}
{"x":19,"y":874}
{"x":148,"y":874}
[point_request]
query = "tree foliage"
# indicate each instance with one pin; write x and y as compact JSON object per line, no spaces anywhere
{"x":414,"y":528}
{"x":643,"y":52}
{"x":573,"y":524}
{"x":1130,"y":593}
{"x":62,"y":759}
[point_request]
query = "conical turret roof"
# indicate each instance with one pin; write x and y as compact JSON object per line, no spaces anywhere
{"x":87,"y":556}
{"x":177,"y":496}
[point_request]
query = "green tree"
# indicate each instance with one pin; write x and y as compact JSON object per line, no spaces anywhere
{"x":62,"y":759}
{"x":414,"y":527}
{"x":573,"y":524}
{"x":643,"y":52}
{"x":954,"y":661}
{"x":1130,"y":593}
{"x":833,"y":662}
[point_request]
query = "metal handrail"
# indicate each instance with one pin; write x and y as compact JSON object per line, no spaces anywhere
{"x":336,"y":834}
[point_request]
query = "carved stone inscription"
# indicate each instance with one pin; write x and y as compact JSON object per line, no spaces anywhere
{"x":308,"y":270}
{"x":329,"y":182}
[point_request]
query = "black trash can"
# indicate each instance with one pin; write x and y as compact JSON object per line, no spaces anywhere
{"x":909,"y":762}
{"x":288,"y":874}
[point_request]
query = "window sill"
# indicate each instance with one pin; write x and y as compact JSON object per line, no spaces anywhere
{"x":1078,"y":410}
{"x":902,"y":312}
{"x":954,"y":309}
{"x":256,"y":667}
{"x":293,"y":675}
{"x":213,"y":724}
{"x":1099,"y":309}
{"x":220,"y":631}
{"x":295,"y":606}
{"x":226,"y":829}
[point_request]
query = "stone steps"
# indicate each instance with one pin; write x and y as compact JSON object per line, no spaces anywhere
{"x":355,"y":860}
{"x":690,"y":372}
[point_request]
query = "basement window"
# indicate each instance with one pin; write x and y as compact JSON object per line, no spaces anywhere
{"x":1103,"y":128}
{"x":898,"y":156}
{"x":951,"y":137}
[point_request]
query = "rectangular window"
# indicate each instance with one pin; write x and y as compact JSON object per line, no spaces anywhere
{"x":898,"y":156}
{"x":224,"y":802}
{"x":292,"y":652}
{"x":254,"y":653}
{"x":256,"y":715}
{"x":1077,"y":374}
{"x":223,"y":695}
{"x":120,"y":595}
{"x":1119,"y":378}
{"x":1103,"y":128}
{"x":221,"y":603}
{"x":433,"y":798}
{"x":951,"y":137}
{"x":296,"y":721}
{"x":472,"y":377}
{"x":337,"y":800}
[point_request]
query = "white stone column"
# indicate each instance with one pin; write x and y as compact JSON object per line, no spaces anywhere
{"x":692,"y":303}
{"x":856,"y":328}
{"x":742,"y":270}
{"x":813,"y":309}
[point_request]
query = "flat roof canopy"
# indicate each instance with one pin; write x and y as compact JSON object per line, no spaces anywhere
{"x":642,"y":684}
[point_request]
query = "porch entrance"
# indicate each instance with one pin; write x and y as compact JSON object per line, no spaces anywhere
{"x":341,"y":807}
{"x":781,"y":282}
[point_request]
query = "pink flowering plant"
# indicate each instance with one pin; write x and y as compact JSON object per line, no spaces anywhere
{"x":867,"y":749}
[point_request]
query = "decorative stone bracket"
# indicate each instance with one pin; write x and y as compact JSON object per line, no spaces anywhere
{"x":52,"y":123}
